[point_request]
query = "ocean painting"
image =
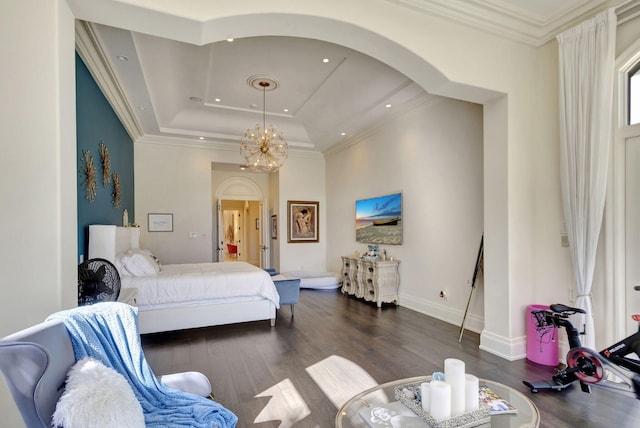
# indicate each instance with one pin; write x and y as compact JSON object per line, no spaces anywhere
{"x":379,"y":220}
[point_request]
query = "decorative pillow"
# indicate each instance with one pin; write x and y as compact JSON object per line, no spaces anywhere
{"x":97,"y":396}
{"x":153,"y":258}
{"x":120,"y":265}
{"x":138,"y":263}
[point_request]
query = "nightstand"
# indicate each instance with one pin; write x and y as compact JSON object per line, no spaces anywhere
{"x":128,"y":296}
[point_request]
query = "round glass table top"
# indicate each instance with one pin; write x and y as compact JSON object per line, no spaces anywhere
{"x":527,"y":414}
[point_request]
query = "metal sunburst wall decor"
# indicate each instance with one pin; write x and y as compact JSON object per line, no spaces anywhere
{"x":116,"y":190}
{"x":89,"y":172}
{"x":106,"y":164}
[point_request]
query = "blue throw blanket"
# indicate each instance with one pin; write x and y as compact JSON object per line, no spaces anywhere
{"x":109,"y":332}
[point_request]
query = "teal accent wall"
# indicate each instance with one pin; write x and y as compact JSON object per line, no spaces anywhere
{"x":96,"y":121}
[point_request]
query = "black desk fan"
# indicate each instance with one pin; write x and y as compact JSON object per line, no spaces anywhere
{"x":98,"y":281}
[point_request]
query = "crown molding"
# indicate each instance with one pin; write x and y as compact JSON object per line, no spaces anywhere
{"x":218,"y":146}
{"x":94,"y":57}
{"x":501,"y":18}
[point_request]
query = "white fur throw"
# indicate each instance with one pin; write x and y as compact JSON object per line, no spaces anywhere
{"x":97,"y":396}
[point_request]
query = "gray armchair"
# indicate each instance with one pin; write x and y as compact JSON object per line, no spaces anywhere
{"x":35,"y":362}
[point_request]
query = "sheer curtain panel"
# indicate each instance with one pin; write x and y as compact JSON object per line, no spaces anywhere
{"x":587,"y":55}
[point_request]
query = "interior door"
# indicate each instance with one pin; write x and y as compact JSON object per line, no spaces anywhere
{"x":219,"y":245}
{"x":264,"y":236}
{"x":632,"y":228}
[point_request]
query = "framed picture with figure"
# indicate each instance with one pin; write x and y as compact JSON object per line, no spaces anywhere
{"x":274,"y":226}
{"x":303,"y":223}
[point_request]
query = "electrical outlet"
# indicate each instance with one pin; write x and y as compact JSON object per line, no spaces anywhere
{"x":193,"y":235}
{"x":443,"y":294}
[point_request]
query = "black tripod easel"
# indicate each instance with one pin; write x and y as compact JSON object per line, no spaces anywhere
{"x":473,"y":284}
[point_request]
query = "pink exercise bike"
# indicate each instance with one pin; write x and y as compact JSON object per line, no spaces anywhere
{"x":587,"y":366}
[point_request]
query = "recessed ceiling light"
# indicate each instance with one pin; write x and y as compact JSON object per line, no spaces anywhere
{"x":325,"y":60}
{"x":388,"y":105}
{"x":195,"y":99}
{"x":343,"y":133}
{"x":242,"y":167}
{"x":218,"y":100}
{"x":201,"y":138}
{"x":122,"y":58}
{"x":285,"y":110}
{"x":230,"y":39}
{"x":142,"y":108}
{"x":254,"y":105}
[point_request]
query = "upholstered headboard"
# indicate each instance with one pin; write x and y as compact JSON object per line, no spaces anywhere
{"x":108,"y":241}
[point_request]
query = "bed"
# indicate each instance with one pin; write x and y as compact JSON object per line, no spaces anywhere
{"x":182,"y":296}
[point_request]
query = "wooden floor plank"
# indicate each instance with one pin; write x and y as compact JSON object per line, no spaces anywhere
{"x":244,"y":361}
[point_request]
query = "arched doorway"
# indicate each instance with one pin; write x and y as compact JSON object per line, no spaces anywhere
{"x":238,"y":222}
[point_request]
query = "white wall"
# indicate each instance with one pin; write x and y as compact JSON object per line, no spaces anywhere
{"x":37,"y":169}
{"x":434,"y":156}
{"x":274,"y":209}
{"x":302,"y":179}
{"x":177,"y":178}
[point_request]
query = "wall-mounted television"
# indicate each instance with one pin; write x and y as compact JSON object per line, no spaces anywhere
{"x":379,"y":220}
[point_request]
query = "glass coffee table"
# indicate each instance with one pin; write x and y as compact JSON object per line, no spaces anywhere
{"x":527,"y":416}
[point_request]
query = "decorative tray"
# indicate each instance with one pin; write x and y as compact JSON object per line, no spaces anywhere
{"x":470,"y":419}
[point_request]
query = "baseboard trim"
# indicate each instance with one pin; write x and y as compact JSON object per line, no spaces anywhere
{"x":444,"y":313}
{"x":504,"y":347}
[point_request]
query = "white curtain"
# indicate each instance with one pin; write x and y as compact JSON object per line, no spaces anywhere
{"x":587,"y":55}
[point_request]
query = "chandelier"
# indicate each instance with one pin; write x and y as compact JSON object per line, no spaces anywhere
{"x":263,"y":148}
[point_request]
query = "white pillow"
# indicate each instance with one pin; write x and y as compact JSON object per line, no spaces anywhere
{"x":137,"y":263}
{"x":154,"y":259}
{"x":120,"y":265}
{"x":97,"y":396}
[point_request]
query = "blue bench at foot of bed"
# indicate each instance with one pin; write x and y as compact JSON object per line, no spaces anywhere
{"x":288,"y":289}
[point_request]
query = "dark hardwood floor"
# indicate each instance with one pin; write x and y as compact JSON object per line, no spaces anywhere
{"x":246,"y":361}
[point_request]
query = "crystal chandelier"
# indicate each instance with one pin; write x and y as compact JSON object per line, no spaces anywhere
{"x":264,"y":148}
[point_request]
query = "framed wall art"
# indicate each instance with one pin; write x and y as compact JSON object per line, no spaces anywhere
{"x":379,"y":220}
{"x":303,"y":223}
{"x":274,"y":226}
{"x":160,"y":222}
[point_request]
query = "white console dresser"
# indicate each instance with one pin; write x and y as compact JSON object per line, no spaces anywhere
{"x":373,"y":280}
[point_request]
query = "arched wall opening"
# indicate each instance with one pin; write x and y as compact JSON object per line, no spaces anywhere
{"x":362,"y":32}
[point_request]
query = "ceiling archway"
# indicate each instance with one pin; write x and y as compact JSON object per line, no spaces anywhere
{"x":239,"y":189}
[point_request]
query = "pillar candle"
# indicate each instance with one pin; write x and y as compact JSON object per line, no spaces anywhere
{"x":454,"y":376}
{"x":471,"y":396}
{"x":425,"y":395}
{"x":440,"y":400}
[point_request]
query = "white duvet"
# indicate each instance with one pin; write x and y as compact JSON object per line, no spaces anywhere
{"x":193,"y":282}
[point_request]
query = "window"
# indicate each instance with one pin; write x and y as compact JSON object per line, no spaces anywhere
{"x":634,"y":94}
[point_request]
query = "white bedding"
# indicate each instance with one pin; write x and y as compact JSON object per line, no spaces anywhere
{"x":193,"y":282}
